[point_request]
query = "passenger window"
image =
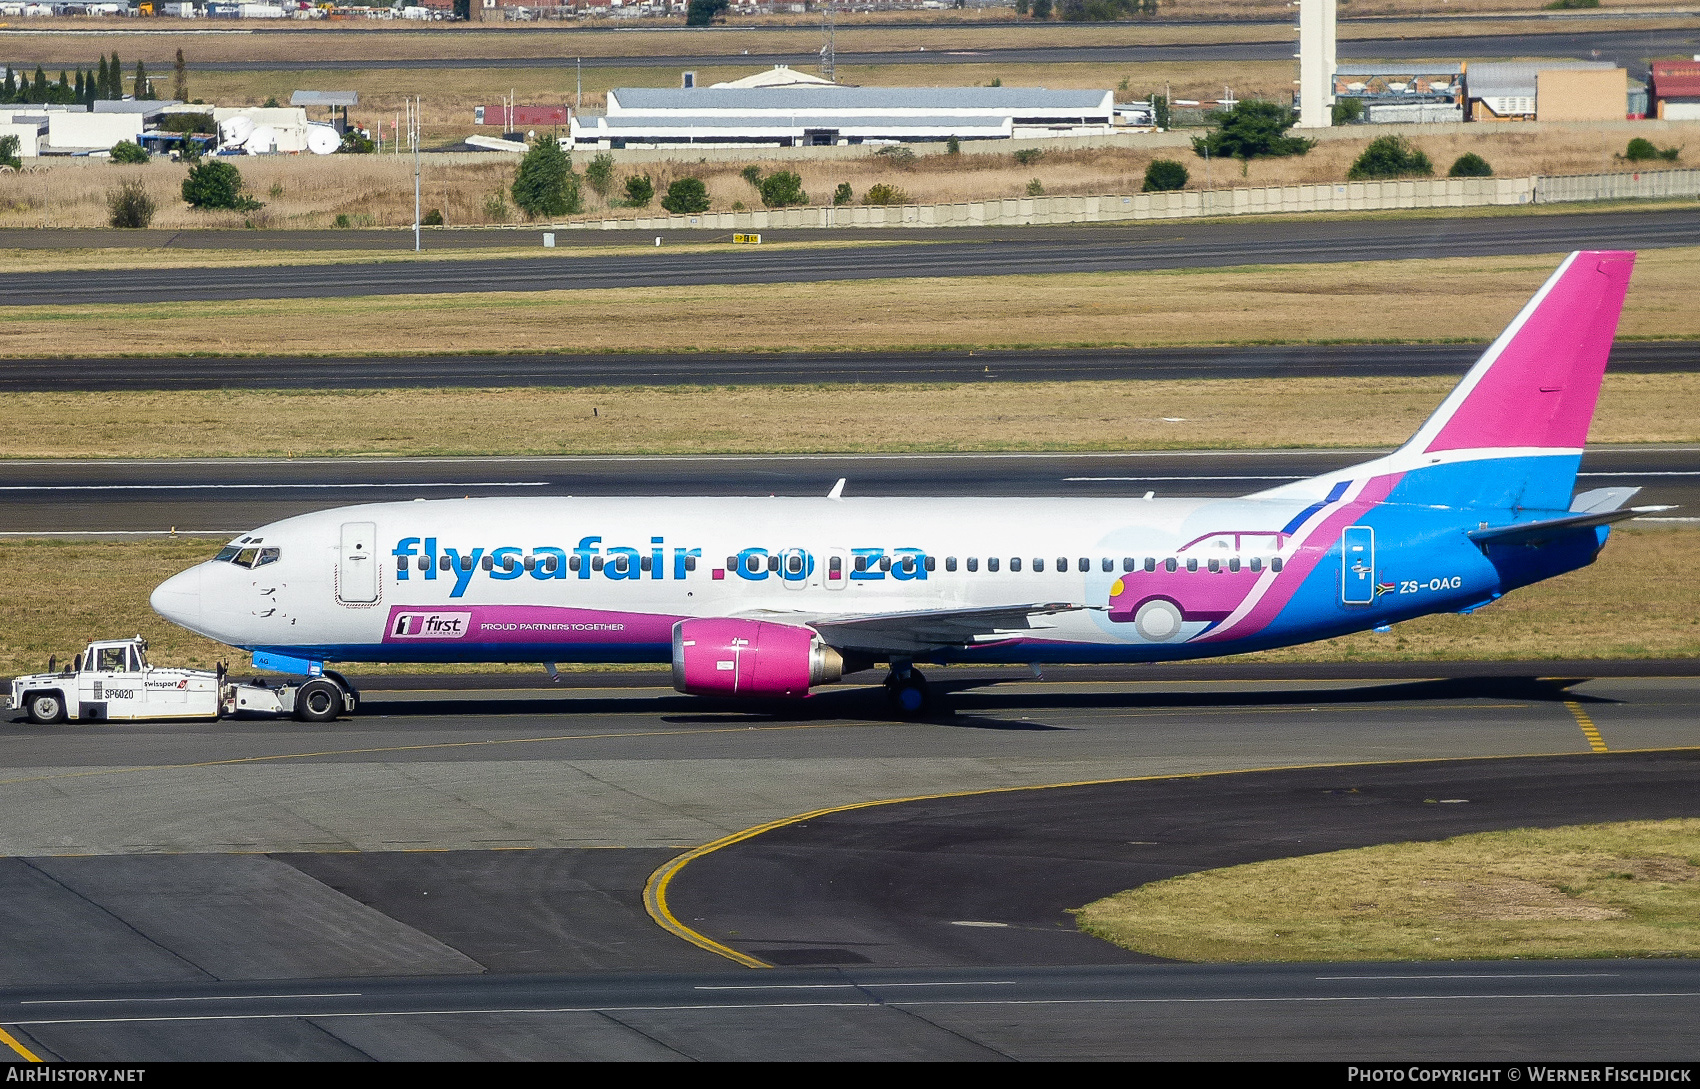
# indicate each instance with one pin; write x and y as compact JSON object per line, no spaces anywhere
{"x":1256,"y":564}
{"x":1038,"y":564}
{"x":111,"y":660}
{"x":834,"y":565}
{"x":487,"y":563}
{"x":1015,"y":563}
{"x":932,"y":563}
{"x":992,"y":564}
{"x":1127,"y":563}
{"x":773,"y":563}
{"x":400,"y":564}
{"x":1151,"y":563}
{"x":1109,"y":565}
{"x":1234,"y":564}
{"x":531,"y":563}
{"x":973,"y":563}
{"x":643,"y":563}
{"x":1275,"y":564}
{"x":1062,"y":565}
{"x":949,"y":563}
{"x":443,"y":562}
{"x":424,"y":563}
{"x":861,"y":563}
{"x":731,"y":563}
{"x":596,"y":563}
{"x":1215,"y":565}
{"x":508,"y":563}
{"x":1170,"y":564}
{"x":1192,"y":565}
{"x":1085,"y":564}
{"x":885,"y":563}
{"x":690,"y":563}
{"x":622,"y":564}
{"x":794,"y":564}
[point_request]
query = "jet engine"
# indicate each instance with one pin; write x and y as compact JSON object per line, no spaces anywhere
{"x":722,"y":656}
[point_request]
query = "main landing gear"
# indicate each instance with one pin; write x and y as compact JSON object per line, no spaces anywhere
{"x":906,"y":690}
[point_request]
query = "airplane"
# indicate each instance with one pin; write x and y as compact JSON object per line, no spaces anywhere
{"x":775,"y":596}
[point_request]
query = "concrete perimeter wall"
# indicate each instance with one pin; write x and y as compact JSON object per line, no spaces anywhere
{"x":1342,"y":197}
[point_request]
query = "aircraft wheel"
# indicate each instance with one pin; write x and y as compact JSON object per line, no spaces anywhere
{"x":318,"y":701}
{"x":353,"y":692}
{"x":908,"y":693}
{"x":46,"y":708}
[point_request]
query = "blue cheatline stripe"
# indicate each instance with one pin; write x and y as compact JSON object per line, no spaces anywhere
{"x":1334,"y":495}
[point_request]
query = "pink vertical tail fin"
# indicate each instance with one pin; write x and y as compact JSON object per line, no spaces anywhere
{"x":1536,"y":386}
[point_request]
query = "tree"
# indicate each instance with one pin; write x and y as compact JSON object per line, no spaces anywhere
{"x":639,"y":190}
{"x":1390,"y":157}
{"x":1041,"y":9}
{"x":180,"y":79}
{"x":129,"y":205}
{"x":1470,"y":165}
{"x":952,"y":146}
{"x":686,"y":196}
{"x":463,"y":10}
{"x":1160,"y":110}
{"x":103,"y":80}
{"x":1346,"y":111}
{"x":751,"y":174}
{"x":842,"y":194}
{"x":704,"y":12}
{"x":1252,"y":129}
{"x":114,"y":78}
{"x":783,"y":188}
{"x":9,"y":155}
{"x":128,"y":151}
{"x":217,"y":185}
{"x":600,"y":174}
{"x":1164,"y":176}
{"x":80,"y":88}
{"x":545,"y":184}
{"x":140,"y":89}
{"x":355,"y":142}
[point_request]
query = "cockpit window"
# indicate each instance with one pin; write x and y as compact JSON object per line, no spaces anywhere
{"x":267,"y":555}
{"x":246,"y":557}
{"x":226,"y":554}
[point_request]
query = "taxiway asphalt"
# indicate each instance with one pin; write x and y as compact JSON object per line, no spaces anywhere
{"x":229,"y":496}
{"x":462,"y":875}
{"x":1089,"y":248}
{"x":1371,"y":361}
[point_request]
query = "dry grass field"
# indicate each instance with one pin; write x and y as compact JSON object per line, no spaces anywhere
{"x":1391,"y":301}
{"x":377,"y":190}
{"x":1634,"y":601}
{"x":1606,"y":890}
{"x":1229,"y":414}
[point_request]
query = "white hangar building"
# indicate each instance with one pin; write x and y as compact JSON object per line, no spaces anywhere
{"x":827,"y":115}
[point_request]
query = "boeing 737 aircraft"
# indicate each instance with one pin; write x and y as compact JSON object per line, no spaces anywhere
{"x":773,"y":596}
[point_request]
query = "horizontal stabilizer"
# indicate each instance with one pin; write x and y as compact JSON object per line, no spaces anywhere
{"x":1602,"y":499}
{"x":1533,"y":533}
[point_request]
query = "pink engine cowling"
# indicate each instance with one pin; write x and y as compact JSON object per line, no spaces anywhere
{"x":721,"y":656}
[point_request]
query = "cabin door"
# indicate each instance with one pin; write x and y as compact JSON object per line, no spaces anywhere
{"x":1357,"y":566}
{"x":357,"y":564}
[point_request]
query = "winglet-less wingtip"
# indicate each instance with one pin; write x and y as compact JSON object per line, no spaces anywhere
{"x":837,"y":491}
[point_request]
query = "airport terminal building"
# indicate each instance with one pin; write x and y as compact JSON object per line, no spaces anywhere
{"x":830,"y":115}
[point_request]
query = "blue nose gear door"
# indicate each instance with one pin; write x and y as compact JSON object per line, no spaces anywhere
{"x":1357,"y":566}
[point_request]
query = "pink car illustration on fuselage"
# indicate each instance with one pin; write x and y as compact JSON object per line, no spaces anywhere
{"x":1205,"y":580}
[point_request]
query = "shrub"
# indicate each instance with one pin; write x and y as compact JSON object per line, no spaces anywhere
{"x":128,"y":151}
{"x":129,"y":205}
{"x":1164,"y":176}
{"x":883,"y":194}
{"x":217,"y":185}
{"x":496,"y":207}
{"x":433,"y":218}
{"x":1252,"y":129}
{"x":187,"y":122}
{"x":704,"y":12}
{"x":1470,"y":165}
{"x":353,"y":143}
{"x":1035,"y":188}
{"x":341,"y":222}
{"x":639,"y":190}
{"x":545,"y":184}
{"x":1348,"y":110}
{"x":600,"y":174}
{"x":897,"y":155}
{"x":686,"y":196}
{"x":1641,"y":150}
{"x":842,"y":194}
{"x":1027,"y":156}
{"x":751,"y":174}
{"x":783,"y":188}
{"x":9,"y":154}
{"x":953,"y":146}
{"x":1568,"y":5}
{"x":1390,"y":157}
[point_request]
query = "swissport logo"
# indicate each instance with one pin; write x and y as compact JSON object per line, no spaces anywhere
{"x":430,"y":625}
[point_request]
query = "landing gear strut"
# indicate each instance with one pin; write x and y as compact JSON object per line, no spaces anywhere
{"x":906,"y":690}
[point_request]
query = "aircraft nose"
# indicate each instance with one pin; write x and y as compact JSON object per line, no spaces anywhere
{"x":178,"y":598}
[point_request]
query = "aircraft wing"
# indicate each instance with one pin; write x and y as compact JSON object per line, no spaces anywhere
{"x":929,"y":629}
